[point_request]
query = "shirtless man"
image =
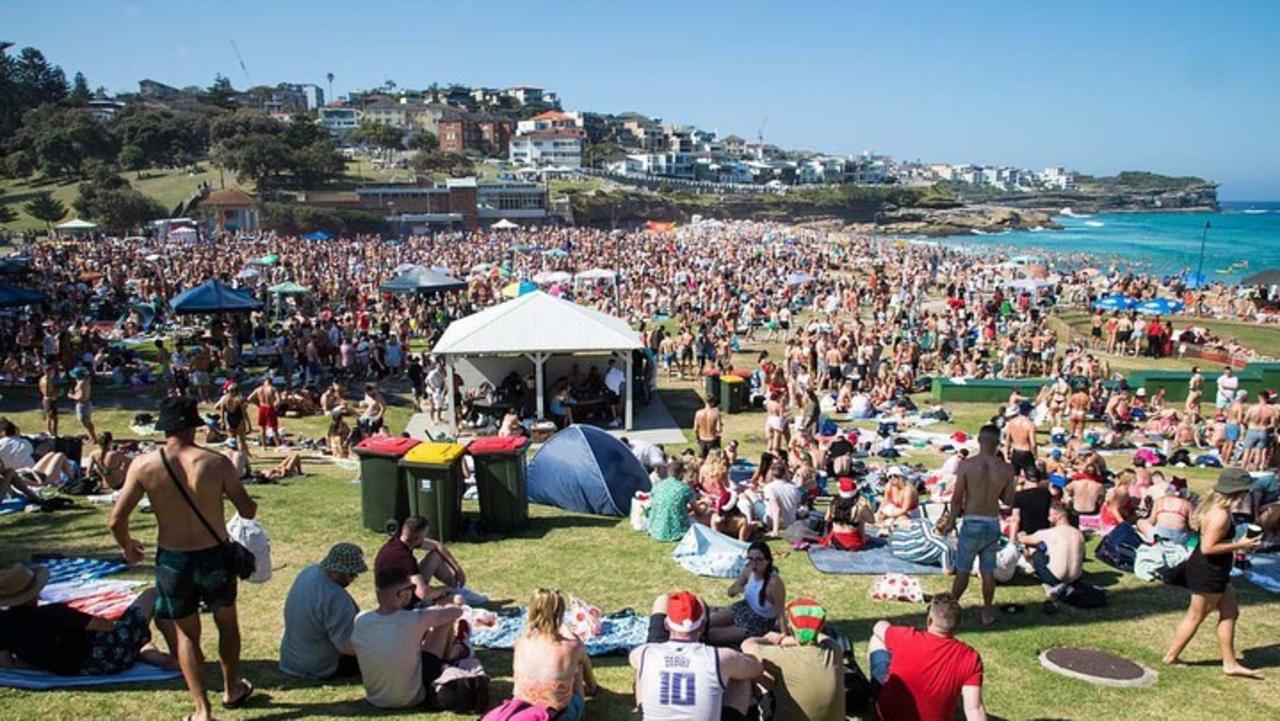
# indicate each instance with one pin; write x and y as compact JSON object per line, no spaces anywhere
{"x":708,"y":426}
{"x":1020,"y":440}
{"x":983,"y":482}
{"x":1232,"y":430}
{"x":1077,"y":412}
{"x":107,"y":464}
{"x":1260,"y":423}
{"x":48,"y":384}
{"x":192,"y":559}
{"x":1058,"y":557}
{"x":372,"y":409}
{"x":267,"y":398}
{"x":1195,"y":391}
{"x":82,"y":394}
{"x":1085,"y":494}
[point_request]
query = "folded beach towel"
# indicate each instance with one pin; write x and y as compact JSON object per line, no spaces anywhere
{"x":872,"y":561}
{"x":706,"y":552}
{"x":621,"y":631}
{"x":62,"y":570}
{"x":44,"y":681}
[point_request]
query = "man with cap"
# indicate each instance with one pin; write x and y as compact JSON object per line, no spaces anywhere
{"x":319,"y":615}
{"x":681,"y":678}
{"x":57,"y":638}
{"x":186,"y":485}
{"x":804,"y":668}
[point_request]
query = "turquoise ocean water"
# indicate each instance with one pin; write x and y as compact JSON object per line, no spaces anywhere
{"x":1162,"y":243}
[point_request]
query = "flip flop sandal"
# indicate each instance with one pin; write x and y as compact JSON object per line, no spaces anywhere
{"x":237,"y":703}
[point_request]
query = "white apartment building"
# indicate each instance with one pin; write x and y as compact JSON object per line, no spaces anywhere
{"x":339,"y":121}
{"x":546,"y":148}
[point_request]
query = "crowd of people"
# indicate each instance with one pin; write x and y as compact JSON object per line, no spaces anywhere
{"x":861,"y":323}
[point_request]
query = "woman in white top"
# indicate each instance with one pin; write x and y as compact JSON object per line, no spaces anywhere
{"x":763,"y":595}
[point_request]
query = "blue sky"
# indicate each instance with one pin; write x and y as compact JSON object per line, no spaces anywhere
{"x":1174,"y":87}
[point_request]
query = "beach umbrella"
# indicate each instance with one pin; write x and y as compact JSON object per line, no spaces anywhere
{"x":214,"y":296}
{"x":1265,"y":277}
{"x":504,"y":224}
{"x":1115,"y":302}
{"x":556,"y":253}
{"x":319,"y":235}
{"x":799,"y":279}
{"x":1160,"y":306}
{"x":518,"y":289}
{"x":268,"y":259}
{"x":13,"y":296}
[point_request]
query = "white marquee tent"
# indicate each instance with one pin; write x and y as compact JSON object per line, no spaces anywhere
{"x":537,"y":326}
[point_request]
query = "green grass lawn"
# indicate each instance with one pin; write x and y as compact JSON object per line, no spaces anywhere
{"x":604,"y":562}
{"x":1263,"y":339}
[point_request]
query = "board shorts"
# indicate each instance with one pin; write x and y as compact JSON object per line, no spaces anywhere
{"x":49,"y":407}
{"x":115,"y":651}
{"x":1255,"y":438}
{"x":1022,"y":460}
{"x":1232,"y":432}
{"x":84,"y":411}
{"x":185,"y":579}
{"x":979,"y":538}
{"x":267,"y":417}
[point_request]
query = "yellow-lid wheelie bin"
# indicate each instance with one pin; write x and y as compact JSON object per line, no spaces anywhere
{"x":384,"y":500}
{"x":433,"y":479}
{"x":502,"y":472}
{"x":733,"y":393}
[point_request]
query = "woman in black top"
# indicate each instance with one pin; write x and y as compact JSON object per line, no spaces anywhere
{"x":1207,"y":572}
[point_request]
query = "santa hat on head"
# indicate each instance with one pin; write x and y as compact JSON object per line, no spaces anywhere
{"x":685,"y":612}
{"x":848,"y":489}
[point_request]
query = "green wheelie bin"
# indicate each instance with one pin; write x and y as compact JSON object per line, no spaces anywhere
{"x":384,"y":500}
{"x":711,"y":384}
{"x":733,"y":393}
{"x":433,"y":480}
{"x":502,"y":471}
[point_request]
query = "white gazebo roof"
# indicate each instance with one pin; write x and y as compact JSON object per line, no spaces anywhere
{"x":504,"y":224}
{"x":597,"y":274}
{"x":76,"y":224}
{"x":536,"y":323}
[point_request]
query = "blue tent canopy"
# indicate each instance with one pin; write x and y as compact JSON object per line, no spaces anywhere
{"x":422,"y":280}
{"x":1160,"y":306}
{"x":213,"y":296}
{"x":12,"y":296}
{"x":318,"y":235}
{"x":585,"y":470}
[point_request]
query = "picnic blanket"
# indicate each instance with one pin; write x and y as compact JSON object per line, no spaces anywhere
{"x":105,"y":599}
{"x":706,"y":552}
{"x":66,"y":569}
{"x":43,"y":680}
{"x":870,"y":561}
{"x":621,"y":631}
{"x":1264,"y":571}
{"x":12,"y":505}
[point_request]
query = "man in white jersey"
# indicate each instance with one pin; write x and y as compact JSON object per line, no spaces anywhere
{"x":680,"y":678}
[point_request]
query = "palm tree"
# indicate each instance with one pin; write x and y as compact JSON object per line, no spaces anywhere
{"x":47,"y":208}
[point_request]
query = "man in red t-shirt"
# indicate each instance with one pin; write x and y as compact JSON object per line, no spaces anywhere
{"x":923,"y":673}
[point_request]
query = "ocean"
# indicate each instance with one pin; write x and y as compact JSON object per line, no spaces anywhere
{"x":1162,"y":243}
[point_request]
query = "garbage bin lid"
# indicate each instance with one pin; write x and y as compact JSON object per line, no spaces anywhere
{"x":711,"y":373}
{"x":730,"y":379}
{"x":435,"y":454}
{"x":497,"y":444}
{"x":386,"y":446}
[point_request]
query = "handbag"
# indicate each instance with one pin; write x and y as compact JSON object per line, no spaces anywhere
{"x":243,"y":562}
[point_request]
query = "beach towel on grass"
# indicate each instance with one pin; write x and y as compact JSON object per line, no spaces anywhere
{"x":105,"y":599}
{"x":621,"y":631}
{"x":871,"y":561}
{"x":706,"y":552}
{"x":12,"y":505}
{"x":62,"y":570}
{"x":45,"y":681}
{"x":1264,"y":571}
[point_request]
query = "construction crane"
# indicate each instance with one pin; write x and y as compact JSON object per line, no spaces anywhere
{"x":242,"y":65}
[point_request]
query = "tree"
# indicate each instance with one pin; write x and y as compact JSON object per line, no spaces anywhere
{"x":424,"y":140}
{"x":80,"y":90}
{"x":132,"y":158}
{"x":220,"y":94}
{"x":378,"y":135}
{"x":47,"y":208}
{"x":26,"y":81}
{"x":7,"y":214}
{"x":117,"y":208}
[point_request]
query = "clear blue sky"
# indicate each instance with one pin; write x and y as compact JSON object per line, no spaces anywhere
{"x":1175,"y":87}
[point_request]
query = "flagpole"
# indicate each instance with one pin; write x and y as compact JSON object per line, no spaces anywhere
{"x":1200,"y":268}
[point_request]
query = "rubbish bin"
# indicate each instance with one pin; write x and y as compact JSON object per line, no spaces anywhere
{"x":383,"y":497}
{"x":711,"y":384}
{"x":502,"y":470}
{"x":433,"y":480}
{"x":733,"y":393}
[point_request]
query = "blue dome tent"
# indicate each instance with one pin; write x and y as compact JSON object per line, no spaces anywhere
{"x":586,"y":470}
{"x":214,"y":296}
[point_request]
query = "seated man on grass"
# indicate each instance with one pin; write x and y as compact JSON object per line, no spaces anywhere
{"x":922,"y":674}
{"x":319,"y":617}
{"x":59,"y":639}
{"x":438,"y":564}
{"x":17,"y":454}
{"x":1057,"y":553}
{"x":805,"y":668}
{"x":401,"y":651}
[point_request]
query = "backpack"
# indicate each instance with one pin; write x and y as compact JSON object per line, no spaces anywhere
{"x":1084,"y":595}
{"x":513,"y":709}
{"x":250,"y":534}
{"x":1119,"y":548}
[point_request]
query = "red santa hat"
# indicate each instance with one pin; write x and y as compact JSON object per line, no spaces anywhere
{"x":685,"y":612}
{"x":848,"y":489}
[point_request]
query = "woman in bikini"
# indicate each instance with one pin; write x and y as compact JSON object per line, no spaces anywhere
{"x":846,"y":519}
{"x":107,"y":465}
{"x":899,"y":503}
{"x":232,"y":413}
{"x":775,"y":424}
{"x":550,"y":667}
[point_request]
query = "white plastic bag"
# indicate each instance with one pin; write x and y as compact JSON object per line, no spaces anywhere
{"x":639,"y":508}
{"x":251,"y":535}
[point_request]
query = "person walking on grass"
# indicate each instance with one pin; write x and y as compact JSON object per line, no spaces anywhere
{"x":186,"y":485}
{"x":983,"y":482}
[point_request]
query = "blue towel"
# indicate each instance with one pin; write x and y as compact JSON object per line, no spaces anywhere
{"x":706,"y":552}
{"x":872,"y":561}
{"x":62,"y":570}
{"x":44,"y":681}
{"x":623,"y":631}
{"x":12,"y":505}
{"x":1264,"y":571}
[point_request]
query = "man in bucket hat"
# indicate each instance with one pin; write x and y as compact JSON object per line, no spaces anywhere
{"x":186,"y":484}
{"x":319,"y":615}
{"x":680,"y":678}
{"x":805,"y":667}
{"x":57,"y":638}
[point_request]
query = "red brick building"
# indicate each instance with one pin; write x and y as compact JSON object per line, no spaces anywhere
{"x":460,"y":131}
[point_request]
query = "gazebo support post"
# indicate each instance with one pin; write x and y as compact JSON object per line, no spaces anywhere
{"x":538,"y":360}
{"x":629,"y":400}
{"x":449,"y":391}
